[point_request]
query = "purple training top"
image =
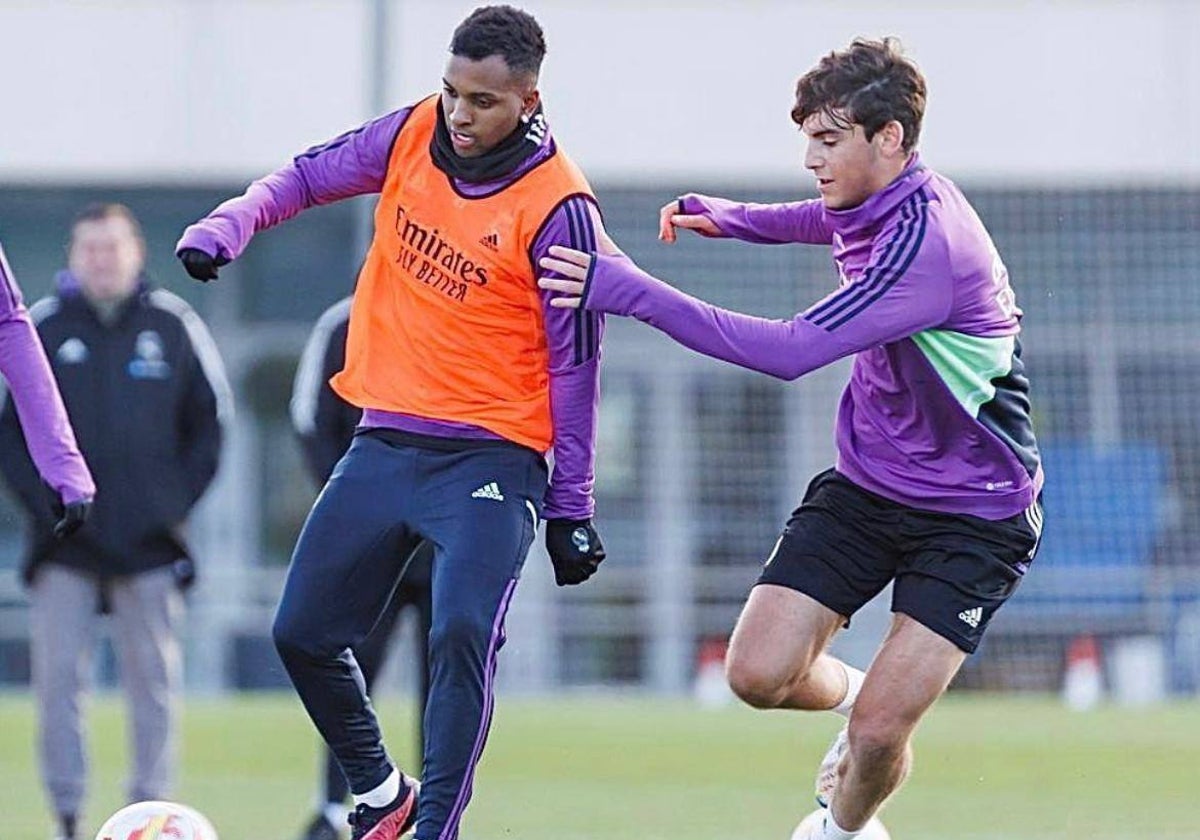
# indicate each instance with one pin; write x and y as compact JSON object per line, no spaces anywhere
{"x":43,"y":417}
{"x":936,"y":414}
{"x":356,"y":164}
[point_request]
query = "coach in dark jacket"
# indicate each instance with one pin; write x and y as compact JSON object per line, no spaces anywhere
{"x":145,"y":411}
{"x":145,"y":391}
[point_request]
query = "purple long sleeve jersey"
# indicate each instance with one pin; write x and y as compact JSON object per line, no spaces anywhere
{"x":48,"y":432}
{"x":356,"y":163}
{"x":936,"y":414}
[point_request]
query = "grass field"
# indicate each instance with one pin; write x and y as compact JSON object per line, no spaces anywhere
{"x":988,"y":768}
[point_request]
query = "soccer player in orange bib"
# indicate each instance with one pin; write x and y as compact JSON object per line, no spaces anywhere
{"x":466,"y":377}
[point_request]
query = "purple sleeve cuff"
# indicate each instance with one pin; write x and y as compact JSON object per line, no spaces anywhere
{"x":763,"y":224}
{"x":573,"y":339}
{"x":40,"y":409}
{"x":354,"y":163}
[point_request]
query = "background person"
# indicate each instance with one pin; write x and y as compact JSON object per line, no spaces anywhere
{"x":146,"y":391}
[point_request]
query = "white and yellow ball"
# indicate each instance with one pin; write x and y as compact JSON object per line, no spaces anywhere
{"x":157,"y":821}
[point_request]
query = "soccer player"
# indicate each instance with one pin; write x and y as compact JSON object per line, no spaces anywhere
{"x":466,"y":377}
{"x":938,"y":478}
{"x":43,"y":417}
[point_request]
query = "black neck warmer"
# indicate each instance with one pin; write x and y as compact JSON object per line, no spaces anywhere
{"x":494,"y":164}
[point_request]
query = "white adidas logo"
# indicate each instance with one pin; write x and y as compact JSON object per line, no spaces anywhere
{"x":491,"y":490}
{"x":972,"y":616}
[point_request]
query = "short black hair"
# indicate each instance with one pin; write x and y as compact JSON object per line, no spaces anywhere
{"x":510,"y":33}
{"x":869,"y":83}
{"x":100,"y":211}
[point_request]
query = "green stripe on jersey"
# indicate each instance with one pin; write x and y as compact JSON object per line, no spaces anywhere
{"x":967,"y":363}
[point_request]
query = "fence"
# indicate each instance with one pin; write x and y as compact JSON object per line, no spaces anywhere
{"x":700,"y":463}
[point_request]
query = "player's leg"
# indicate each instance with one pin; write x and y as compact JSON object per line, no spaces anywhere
{"x":335,"y":790}
{"x":909,"y":673}
{"x":415,"y":591}
{"x":371,"y":654}
{"x":62,"y":634}
{"x":328,"y":821}
{"x":372,"y":651}
{"x":830,"y":560}
{"x":147,"y":609}
{"x":956,"y":572}
{"x":481,"y":515}
{"x":423,"y":601}
{"x":776,"y":656}
{"x":345,"y":566}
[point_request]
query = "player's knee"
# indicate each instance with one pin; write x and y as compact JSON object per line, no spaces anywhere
{"x":876,"y":740}
{"x":459,"y":631}
{"x":291,"y":640}
{"x":755,"y":685}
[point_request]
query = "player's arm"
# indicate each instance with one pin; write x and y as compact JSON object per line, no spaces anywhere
{"x":764,"y":224}
{"x":573,"y":340}
{"x":906,"y":288}
{"x":39,"y":407}
{"x":36,"y":423}
{"x":354,"y":163}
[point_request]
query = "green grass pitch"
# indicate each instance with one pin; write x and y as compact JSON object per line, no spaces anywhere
{"x":587,"y":767}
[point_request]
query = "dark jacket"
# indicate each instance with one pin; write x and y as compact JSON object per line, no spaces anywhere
{"x":146,"y":395}
{"x":324,"y":422}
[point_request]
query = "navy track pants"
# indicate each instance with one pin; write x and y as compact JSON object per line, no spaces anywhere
{"x":478,"y":504}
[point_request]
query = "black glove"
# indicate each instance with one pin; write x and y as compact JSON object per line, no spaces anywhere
{"x":575,"y":549}
{"x":71,"y":517}
{"x":200,"y":265}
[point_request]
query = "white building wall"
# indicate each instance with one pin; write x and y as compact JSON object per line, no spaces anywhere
{"x":170,"y":90}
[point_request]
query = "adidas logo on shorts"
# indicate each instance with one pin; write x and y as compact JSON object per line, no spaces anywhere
{"x":491,"y":490}
{"x":972,"y":616}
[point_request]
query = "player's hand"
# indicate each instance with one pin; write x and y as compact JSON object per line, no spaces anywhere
{"x":199,"y":265}
{"x":71,"y":517}
{"x":671,"y":216}
{"x":575,"y":550}
{"x":573,"y":266}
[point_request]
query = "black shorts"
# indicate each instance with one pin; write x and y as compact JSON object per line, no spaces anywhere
{"x":843,"y":545}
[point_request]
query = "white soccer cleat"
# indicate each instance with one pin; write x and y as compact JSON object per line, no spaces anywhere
{"x":812,"y":828}
{"x":827,"y":773}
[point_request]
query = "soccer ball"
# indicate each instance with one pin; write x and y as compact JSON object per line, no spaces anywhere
{"x":809,"y":826}
{"x":157,"y":821}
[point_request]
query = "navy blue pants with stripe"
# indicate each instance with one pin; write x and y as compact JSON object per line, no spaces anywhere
{"x":478,"y":504}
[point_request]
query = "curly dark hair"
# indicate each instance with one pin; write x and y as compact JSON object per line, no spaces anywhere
{"x":505,"y":31}
{"x":870,"y":83}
